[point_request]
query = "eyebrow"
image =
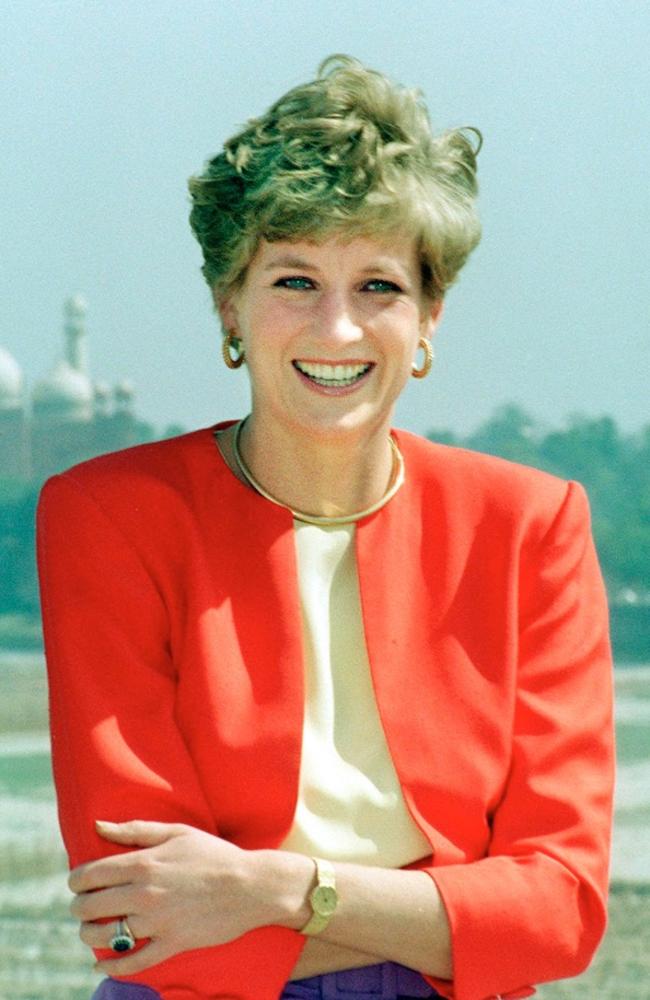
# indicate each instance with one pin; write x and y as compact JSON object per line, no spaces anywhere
{"x":289,"y":261}
{"x":304,"y":265}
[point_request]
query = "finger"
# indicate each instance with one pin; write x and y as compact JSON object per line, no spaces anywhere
{"x":97,"y":935}
{"x":119,"y":869}
{"x":139,"y":832}
{"x":135,"y":961}
{"x":106,"y":903}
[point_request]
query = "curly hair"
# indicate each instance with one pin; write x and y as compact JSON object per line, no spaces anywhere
{"x":349,"y":153}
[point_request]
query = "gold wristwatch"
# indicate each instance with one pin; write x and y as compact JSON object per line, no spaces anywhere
{"x":322,"y":898}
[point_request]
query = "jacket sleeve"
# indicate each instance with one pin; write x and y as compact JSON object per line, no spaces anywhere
{"x":534,"y":909}
{"x":117,"y":752}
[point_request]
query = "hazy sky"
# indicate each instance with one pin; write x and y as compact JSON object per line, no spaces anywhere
{"x":107,"y":107}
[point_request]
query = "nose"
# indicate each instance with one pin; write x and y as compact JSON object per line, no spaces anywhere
{"x":335,"y":319}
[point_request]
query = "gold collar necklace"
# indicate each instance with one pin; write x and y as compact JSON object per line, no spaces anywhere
{"x":396,"y":480}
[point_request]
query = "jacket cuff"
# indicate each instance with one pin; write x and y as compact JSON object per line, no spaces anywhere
{"x":515,"y":921}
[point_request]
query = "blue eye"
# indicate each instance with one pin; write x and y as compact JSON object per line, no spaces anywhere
{"x":382,"y":285}
{"x":296,"y":283}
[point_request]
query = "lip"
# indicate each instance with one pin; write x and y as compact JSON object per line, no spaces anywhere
{"x":325,"y":390}
{"x":333,"y":361}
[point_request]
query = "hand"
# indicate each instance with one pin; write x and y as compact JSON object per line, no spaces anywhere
{"x":182,"y":889}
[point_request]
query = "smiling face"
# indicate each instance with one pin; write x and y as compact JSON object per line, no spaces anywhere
{"x":330,"y":331}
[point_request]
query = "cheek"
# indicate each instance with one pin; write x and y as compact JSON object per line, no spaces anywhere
{"x":268,"y":322}
{"x":400,"y":341}
{"x":266,"y":343}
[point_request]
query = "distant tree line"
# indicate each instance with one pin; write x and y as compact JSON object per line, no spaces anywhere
{"x":18,"y":589}
{"x":613,"y":467}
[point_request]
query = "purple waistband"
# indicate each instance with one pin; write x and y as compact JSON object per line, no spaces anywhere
{"x":115,"y":989}
{"x":386,"y":981}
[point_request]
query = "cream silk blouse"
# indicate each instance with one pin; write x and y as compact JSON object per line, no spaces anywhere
{"x":350,"y":804}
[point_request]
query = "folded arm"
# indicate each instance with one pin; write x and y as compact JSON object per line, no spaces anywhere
{"x":185,"y":889}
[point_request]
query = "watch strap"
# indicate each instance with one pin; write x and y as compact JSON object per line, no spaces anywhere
{"x":325,"y":879}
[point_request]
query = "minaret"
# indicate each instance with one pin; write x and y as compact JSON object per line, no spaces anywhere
{"x":62,"y":427}
{"x":75,"y":333}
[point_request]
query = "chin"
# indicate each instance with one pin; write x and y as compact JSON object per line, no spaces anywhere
{"x":331,"y":428}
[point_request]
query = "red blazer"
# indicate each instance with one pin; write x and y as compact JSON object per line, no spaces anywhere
{"x":173,"y":642}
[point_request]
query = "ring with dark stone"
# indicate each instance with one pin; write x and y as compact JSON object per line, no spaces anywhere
{"x":123,"y":939}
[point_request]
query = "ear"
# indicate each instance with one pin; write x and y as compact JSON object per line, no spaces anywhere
{"x":432,"y":317}
{"x":227,"y":312}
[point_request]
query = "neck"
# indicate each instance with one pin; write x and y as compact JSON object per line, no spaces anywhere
{"x":330,"y":476}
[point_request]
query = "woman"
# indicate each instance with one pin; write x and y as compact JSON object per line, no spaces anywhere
{"x":330,"y":703}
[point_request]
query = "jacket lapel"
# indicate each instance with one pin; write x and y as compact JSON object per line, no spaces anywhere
{"x":418,"y":616}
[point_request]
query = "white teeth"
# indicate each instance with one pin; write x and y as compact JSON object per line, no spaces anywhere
{"x":332,"y":374}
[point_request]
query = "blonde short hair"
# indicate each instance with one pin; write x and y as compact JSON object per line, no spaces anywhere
{"x":349,"y":153}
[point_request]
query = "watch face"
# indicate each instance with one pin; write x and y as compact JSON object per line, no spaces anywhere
{"x":324,"y":900}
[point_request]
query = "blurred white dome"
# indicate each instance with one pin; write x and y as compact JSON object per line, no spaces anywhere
{"x":11,"y":382}
{"x":124,"y":392}
{"x":65,"y":392}
{"x":124,"y":389}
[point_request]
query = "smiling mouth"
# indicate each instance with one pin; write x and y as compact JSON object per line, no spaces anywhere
{"x":333,"y":376}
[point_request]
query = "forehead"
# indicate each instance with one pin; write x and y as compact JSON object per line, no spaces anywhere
{"x":360,"y":252}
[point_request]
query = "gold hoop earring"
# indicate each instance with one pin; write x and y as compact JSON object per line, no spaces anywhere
{"x":232,"y":341}
{"x":427,"y":347}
